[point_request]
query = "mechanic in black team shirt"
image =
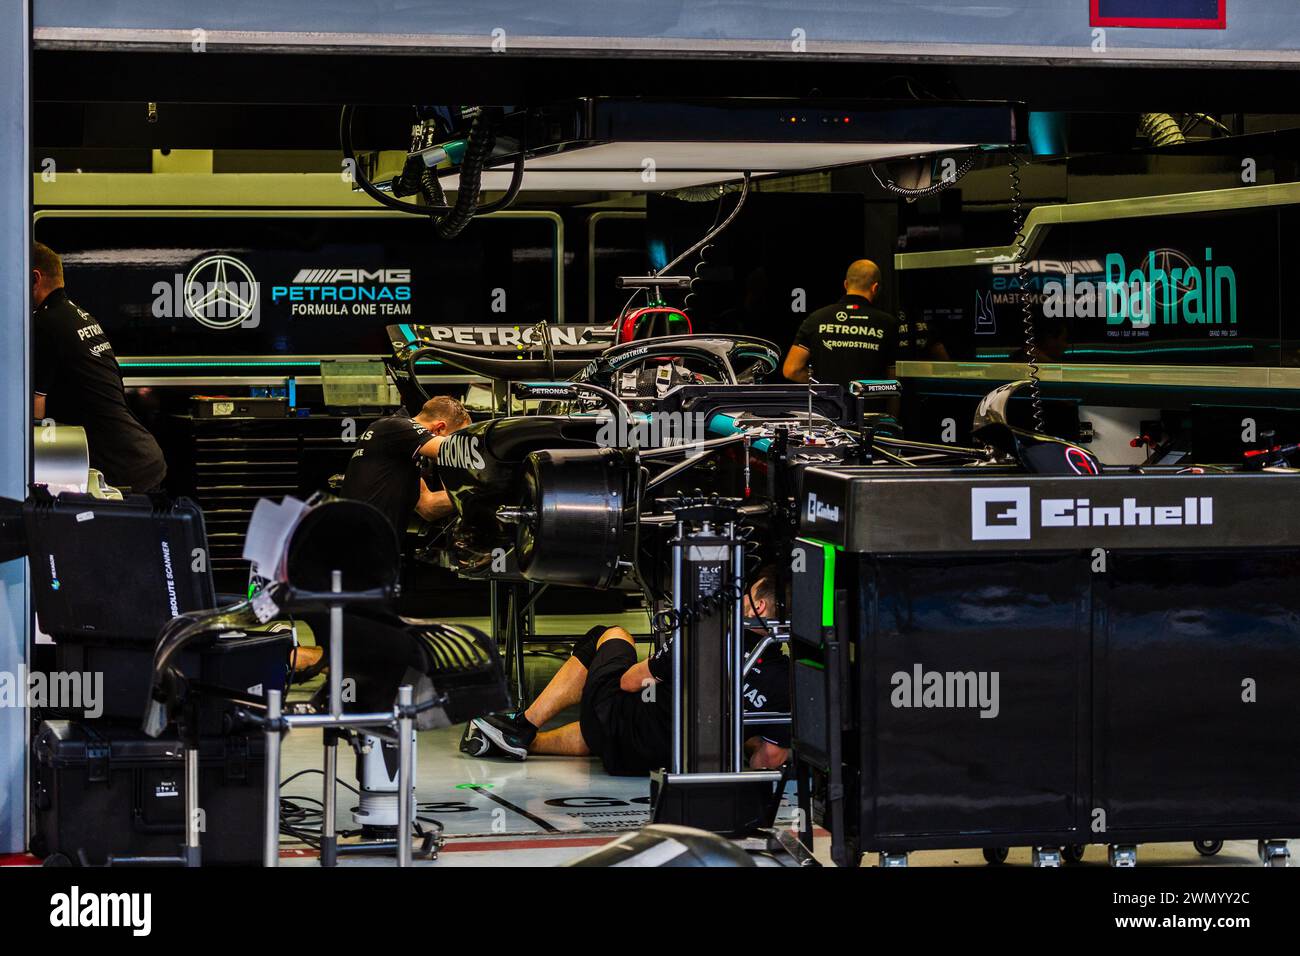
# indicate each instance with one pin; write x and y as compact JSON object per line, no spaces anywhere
{"x":385,"y":468}
{"x":626,"y":705}
{"x":77,"y":382}
{"x":851,"y":339}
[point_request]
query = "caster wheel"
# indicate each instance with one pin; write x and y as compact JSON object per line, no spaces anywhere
{"x":1208,"y":847}
{"x":1122,"y":855}
{"x":1274,"y":853}
{"x":56,"y":859}
{"x":1073,"y":853}
{"x":1047,"y":856}
{"x":995,"y":855}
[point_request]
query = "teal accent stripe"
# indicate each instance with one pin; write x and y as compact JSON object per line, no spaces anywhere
{"x":1154,"y":350}
{"x":722,"y":424}
{"x":1161,"y":349}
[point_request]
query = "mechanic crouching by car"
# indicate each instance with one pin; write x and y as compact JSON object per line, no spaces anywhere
{"x":385,"y":468}
{"x":385,"y":471}
{"x":626,"y":705}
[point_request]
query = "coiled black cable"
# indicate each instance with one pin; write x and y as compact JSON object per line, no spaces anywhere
{"x":912,"y":195}
{"x":431,"y":190}
{"x":301,"y":816}
{"x":478,"y":149}
{"x":704,"y":254}
{"x":706,"y":605}
{"x":715,"y":231}
{"x":1022,"y":294}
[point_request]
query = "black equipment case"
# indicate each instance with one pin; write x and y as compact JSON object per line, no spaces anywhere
{"x":115,"y":570}
{"x":107,"y":575}
{"x":100,"y":792}
{"x":251,"y":665}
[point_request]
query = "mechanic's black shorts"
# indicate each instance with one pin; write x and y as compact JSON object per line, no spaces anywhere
{"x":599,"y":715}
{"x":585,"y":649}
{"x":617,"y":725}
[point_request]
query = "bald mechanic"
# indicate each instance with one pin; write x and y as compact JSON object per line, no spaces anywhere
{"x":77,"y":381}
{"x":851,"y":339}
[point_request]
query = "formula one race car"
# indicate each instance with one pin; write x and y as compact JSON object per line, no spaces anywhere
{"x":564,"y":492}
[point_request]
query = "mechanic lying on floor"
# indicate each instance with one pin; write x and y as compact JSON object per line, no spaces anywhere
{"x":626,"y":706}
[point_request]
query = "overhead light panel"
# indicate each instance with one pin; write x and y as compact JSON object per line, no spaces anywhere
{"x":652,"y":145}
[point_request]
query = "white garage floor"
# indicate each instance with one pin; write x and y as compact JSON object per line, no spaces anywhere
{"x":539,"y":812}
{"x":546,"y":811}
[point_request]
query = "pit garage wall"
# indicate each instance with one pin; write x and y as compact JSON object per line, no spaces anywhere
{"x":1253,"y":30}
{"x":15,"y":398}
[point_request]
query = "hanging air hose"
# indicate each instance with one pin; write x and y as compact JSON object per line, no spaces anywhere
{"x":448,"y":220}
{"x":478,"y":147}
{"x":431,"y":190}
{"x":688,"y":299}
{"x":1022,"y":294}
{"x":712,"y":233}
{"x":911,"y":195}
{"x":1161,"y":129}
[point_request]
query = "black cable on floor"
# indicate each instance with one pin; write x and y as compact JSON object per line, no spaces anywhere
{"x":304,"y":823}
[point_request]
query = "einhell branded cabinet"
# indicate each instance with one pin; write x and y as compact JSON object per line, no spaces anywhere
{"x":1021,"y":660}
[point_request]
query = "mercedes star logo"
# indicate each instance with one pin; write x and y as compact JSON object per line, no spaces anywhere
{"x":220,"y":292}
{"x":1171,"y":295}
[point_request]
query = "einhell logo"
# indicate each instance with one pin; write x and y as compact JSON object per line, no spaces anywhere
{"x":821,"y":510}
{"x":1006,"y":514}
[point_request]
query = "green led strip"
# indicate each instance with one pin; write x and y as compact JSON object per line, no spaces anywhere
{"x":828,"y":585}
{"x":828,"y":578}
